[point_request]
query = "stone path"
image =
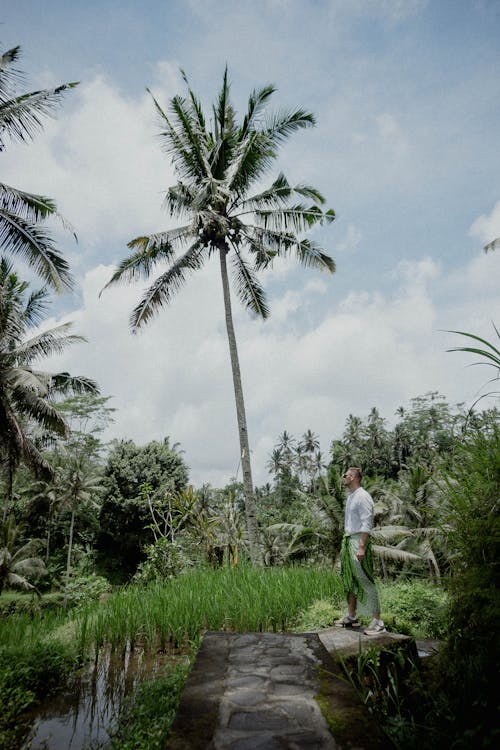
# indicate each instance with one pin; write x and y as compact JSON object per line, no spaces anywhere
{"x":272,"y":691}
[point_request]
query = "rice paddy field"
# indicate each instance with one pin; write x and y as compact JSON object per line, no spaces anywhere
{"x":40,"y":652}
{"x":178,"y":611}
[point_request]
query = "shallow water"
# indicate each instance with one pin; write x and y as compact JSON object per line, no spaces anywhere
{"x":84,"y":713}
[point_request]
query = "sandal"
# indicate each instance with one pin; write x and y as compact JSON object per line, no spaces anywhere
{"x":347,"y":622}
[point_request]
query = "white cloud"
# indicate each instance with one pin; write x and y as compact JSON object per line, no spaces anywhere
{"x":102,"y":162}
{"x":487,"y":226}
{"x":378,"y":151}
{"x":417,"y":272}
{"x":351,"y":241}
{"x":394,"y":10}
{"x":369,"y":350}
{"x":391,"y":134}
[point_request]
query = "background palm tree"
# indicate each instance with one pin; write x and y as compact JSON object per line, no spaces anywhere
{"x":218,"y":168}
{"x":18,"y":562}
{"x":79,"y":483}
{"x":22,"y":214}
{"x":27,"y":395}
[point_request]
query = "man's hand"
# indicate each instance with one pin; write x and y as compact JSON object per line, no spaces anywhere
{"x":360,"y":554}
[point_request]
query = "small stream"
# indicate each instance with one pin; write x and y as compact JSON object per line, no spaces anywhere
{"x":82,"y":715}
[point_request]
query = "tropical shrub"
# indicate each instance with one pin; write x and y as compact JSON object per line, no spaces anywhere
{"x":397,"y":692}
{"x":125,"y":517}
{"x":471,"y":659}
{"x":164,"y":559}
{"x":320,"y":614}
{"x":416,"y":608}
{"x":82,"y":590}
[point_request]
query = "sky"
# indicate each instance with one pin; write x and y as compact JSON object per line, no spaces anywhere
{"x":406,"y":94}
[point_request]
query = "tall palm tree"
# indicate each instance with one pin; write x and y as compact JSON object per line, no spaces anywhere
{"x":218,"y":167}
{"x":27,"y":395}
{"x":22,"y":214}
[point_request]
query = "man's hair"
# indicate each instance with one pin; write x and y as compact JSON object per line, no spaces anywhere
{"x":358,"y":471}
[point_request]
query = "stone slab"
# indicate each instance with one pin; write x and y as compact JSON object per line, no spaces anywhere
{"x":267,"y":691}
{"x":348,"y":641}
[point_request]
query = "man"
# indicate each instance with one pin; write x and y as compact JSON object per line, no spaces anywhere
{"x":357,"y":558}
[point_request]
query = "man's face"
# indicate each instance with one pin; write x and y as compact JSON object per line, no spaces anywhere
{"x":348,"y":477}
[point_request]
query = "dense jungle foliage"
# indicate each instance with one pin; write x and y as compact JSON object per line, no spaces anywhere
{"x":132,"y":518}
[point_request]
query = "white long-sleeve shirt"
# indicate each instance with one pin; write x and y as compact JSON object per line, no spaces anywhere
{"x":358,"y":512}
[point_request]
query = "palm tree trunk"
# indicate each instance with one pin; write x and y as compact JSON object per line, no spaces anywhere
{"x":250,"y":507}
{"x":49,"y":529}
{"x":68,"y":561}
{"x":10,"y":488}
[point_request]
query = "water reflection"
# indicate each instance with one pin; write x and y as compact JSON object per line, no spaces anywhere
{"x":84,"y":713}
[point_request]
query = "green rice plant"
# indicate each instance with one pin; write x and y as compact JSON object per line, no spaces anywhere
{"x":178,"y":610}
{"x":29,"y":628}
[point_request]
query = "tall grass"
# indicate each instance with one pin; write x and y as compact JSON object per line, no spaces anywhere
{"x":179,"y":610}
{"x":28,"y":628}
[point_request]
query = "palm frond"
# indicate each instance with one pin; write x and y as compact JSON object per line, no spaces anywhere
{"x":392,"y":532}
{"x":282,"y":124}
{"x":333,"y":509}
{"x":493,"y":245}
{"x":21,"y":117}
{"x":310,"y":254}
{"x":19,"y":379}
{"x":180,"y":199}
{"x":279,"y":193}
{"x":278,"y":242}
{"x":491,"y":353}
{"x":252,"y":155}
{"x":152,"y":249}
{"x":35,"y":246}
{"x":256,"y":103}
{"x":36,"y":307}
{"x":263,"y":254}
{"x":28,"y":206}
{"x":24,"y":552}
{"x":251,"y":160}
{"x":163,"y":289}
{"x":9,"y":76}
{"x":189,"y":133}
{"x":42,"y":411}
{"x":63,"y":383}
{"x":197,"y":110}
{"x":248,"y":288}
{"x":393,"y":553}
{"x":187,"y":163}
{"x":37,"y":461}
{"x":47,"y":343}
{"x":223,"y":110}
{"x":308,"y":191}
{"x":276,"y":195}
{"x":298,"y":217}
{"x":18,"y":581}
